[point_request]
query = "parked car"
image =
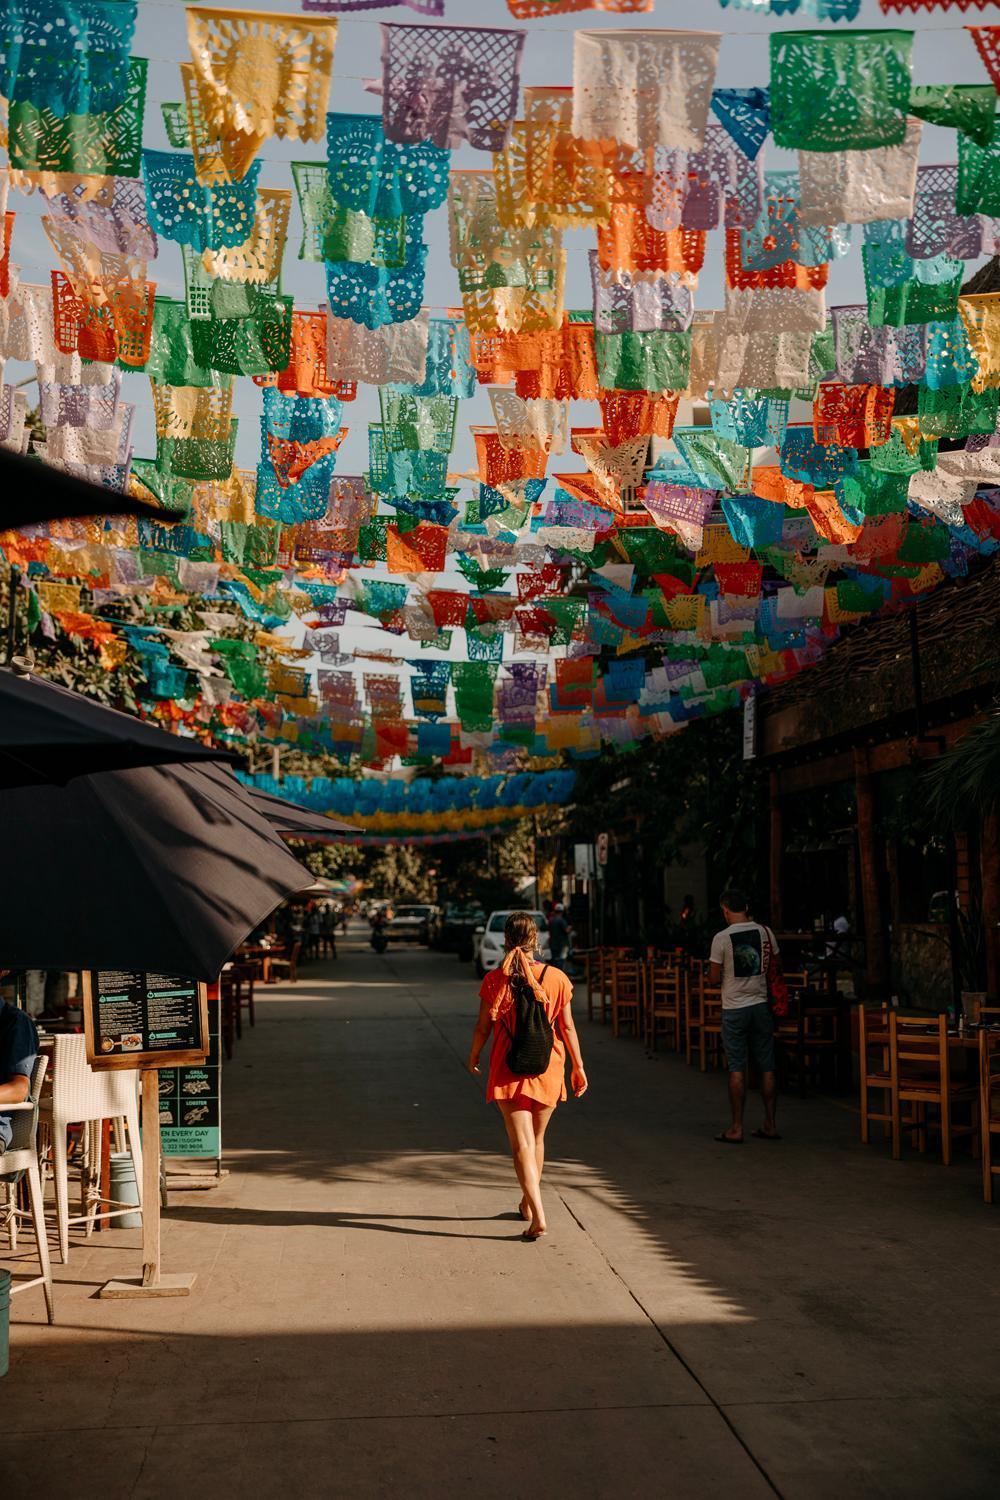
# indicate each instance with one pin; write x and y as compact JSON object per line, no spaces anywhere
{"x":487,"y":941}
{"x":456,"y":928}
{"x":409,"y":924}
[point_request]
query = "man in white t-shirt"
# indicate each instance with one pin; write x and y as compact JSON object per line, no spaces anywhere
{"x":739,"y":960}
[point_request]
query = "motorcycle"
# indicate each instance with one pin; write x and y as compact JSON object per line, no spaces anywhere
{"x":379,"y":940}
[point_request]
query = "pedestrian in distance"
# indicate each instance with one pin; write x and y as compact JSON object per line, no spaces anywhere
{"x":558,"y":933}
{"x":740,"y":957}
{"x":686,"y":924}
{"x":526,"y":1007}
{"x":328,"y":940}
{"x":314,"y":929}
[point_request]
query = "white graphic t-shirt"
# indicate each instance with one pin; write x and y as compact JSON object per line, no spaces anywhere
{"x":742,"y":950}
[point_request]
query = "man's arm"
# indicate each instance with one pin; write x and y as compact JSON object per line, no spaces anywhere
{"x":715,"y":960}
{"x":480,"y":1036}
{"x":15,"y":1090}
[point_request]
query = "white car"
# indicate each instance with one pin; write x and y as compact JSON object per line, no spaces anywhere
{"x":408,"y":924}
{"x":487,"y":942}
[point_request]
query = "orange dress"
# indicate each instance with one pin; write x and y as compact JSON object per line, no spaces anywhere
{"x":548,"y":1087}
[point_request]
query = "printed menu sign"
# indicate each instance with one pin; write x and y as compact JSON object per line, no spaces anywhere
{"x":190,"y":1103}
{"x":137,"y":1020}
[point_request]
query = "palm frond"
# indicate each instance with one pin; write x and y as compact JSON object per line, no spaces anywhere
{"x":964,"y":784}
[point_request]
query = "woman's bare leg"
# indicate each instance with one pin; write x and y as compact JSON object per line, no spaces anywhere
{"x":540,"y":1119}
{"x":521,"y":1134}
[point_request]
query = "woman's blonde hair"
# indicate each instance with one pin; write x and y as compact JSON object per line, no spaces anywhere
{"x":520,"y":931}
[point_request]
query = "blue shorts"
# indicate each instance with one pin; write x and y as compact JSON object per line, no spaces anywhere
{"x":749,"y":1028}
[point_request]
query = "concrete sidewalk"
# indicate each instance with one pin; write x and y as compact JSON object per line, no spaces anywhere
{"x":807,"y":1319}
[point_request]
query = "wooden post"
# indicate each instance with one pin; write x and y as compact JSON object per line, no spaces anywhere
{"x":876,"y":955}
{"x":776,"y":852}
{"x":989,"y":866}
{"x":534,"y":859}
{"x":150,"y":1177}
{"x":152,"y":1282}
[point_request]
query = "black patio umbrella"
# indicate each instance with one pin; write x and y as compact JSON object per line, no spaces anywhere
{"x":164,"y":868}
{"x":50,"y":734}
{"x":296,"y":821}
{"x":34,"y":491}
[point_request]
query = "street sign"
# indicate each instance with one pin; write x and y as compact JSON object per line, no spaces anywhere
{"x":139,"y":1020}
{"x":583,"y":861}
{"x":750,"y":727}
{"x":602,"y":848}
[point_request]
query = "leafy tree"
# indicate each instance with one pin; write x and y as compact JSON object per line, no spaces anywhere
{"x":691,"y":788}
{"x":964,"y":784}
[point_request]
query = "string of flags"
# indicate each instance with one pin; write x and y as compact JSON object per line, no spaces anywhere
{"x":761,"y":475}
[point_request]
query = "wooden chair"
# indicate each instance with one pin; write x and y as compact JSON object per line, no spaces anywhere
{"x":626,"y":994}
{"x":591,"y":965}
{"x":229,"y":1015}
{"x":290,"y":963}
{"x":243,"y":983}
{"x":603,"y":977}
{"x":920,"y":1069}
{"x":664,"y":1002}
{"x":807,"y":1036}
{"x":873,"y":1068}
{"x":989,"y":1099}
{"x":692,"y":1010}
{"x":710,"y":1032}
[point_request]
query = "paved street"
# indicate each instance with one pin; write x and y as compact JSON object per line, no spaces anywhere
{"x":807,"y":1319}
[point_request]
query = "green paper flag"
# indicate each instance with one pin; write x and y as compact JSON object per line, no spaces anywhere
{"x":846,"y":92}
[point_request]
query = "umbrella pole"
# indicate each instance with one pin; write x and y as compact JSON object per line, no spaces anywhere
{"x":13,"y":582}
{"x":152,"y":1282}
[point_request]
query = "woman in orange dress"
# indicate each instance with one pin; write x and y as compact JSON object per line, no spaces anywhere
{"x":527,"y":1103}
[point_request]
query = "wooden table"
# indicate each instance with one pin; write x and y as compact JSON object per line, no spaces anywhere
{"x":257,"y":953}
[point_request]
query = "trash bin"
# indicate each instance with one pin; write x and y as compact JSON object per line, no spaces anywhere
{"x":4,"y":1322}
{"x":124,"y":1188}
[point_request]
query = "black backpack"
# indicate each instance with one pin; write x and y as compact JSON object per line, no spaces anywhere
{"x":531,"y":1038}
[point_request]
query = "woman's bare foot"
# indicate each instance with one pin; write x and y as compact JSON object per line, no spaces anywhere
{"x":523,"y":1209}
{"x":534,"y":1232}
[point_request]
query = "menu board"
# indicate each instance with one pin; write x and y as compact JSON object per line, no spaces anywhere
{"x":190,"y":1098}
{"x":136,"y":1020}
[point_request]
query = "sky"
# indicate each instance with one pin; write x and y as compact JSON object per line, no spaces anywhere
{"x":943,"y":53}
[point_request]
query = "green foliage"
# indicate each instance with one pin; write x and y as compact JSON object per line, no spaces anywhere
{"x":692,"y":788}
{"x":487,"y":871}
{"x":333,"y":861}
{"x":399,"y":872}
{"x":294,"y":762}
{"x":963,"y":786}
{"x":396,"y":871}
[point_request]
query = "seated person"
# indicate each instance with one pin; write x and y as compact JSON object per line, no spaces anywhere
{"x":18,"y":1050}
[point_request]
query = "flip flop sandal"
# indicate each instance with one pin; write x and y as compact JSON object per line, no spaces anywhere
{"x":531,"y":1239}
{"x":762,"y":1135}
{"x":730,"y":1140}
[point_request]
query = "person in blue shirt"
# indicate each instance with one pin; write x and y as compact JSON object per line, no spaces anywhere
{"x":18,"y":1050}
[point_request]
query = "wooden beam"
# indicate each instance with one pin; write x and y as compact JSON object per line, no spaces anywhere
{"x":889,"y":756}
{"x":150,"y":1177}
{"x":776,"y":851}
{"x":876,"y":946}
{"x":989,"y":864}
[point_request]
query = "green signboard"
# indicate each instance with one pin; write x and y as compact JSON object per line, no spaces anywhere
{"x":191,"y":1098}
